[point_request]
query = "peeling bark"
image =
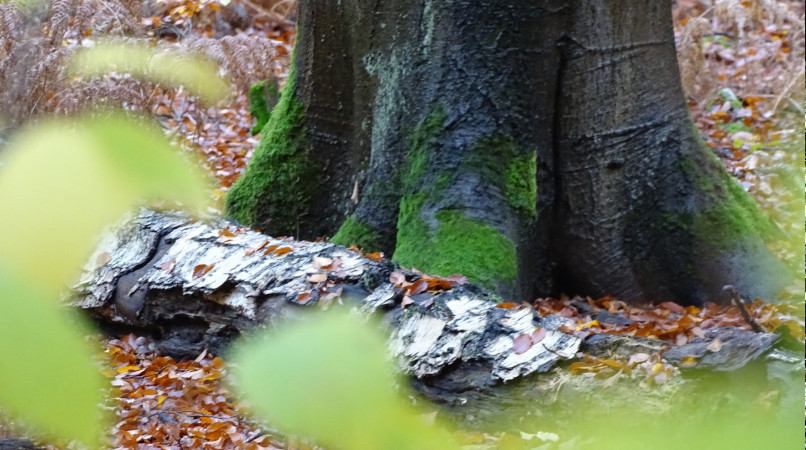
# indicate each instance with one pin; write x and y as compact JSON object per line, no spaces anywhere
{"x":151,"y":283}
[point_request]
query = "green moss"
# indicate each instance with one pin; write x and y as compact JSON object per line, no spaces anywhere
{"x":276,"y":187}
{"x":421,"y":140}
{"x":459,"y":245}
{"x":355,"y":232}
{"x":728,"y":212}
{"x":500,"y":161}
{"x":521,"y":187}
{"x":263,"y":96}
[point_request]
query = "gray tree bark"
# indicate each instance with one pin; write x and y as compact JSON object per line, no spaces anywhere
{"x":535,"y":147}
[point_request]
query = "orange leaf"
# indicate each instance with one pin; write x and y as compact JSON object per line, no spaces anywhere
{"x":254,"y":248}
{"x":376,"y":256}
{"x":202,"y":270}
{"x":506,"y":305}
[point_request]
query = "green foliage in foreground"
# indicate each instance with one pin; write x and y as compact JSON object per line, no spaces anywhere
{"x":330,"y":377}
{"x":61,"y":182}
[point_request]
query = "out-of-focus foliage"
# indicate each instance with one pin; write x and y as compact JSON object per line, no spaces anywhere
{"x":330,"y":378}
{"x":60,"y":183}
{"x":47,"y":376}
{"x":142,"y":61}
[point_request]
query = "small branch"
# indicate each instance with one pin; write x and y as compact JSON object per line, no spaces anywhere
{"x":736,"y":299}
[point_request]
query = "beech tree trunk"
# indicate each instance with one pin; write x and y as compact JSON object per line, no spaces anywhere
{"x":535,"y":147}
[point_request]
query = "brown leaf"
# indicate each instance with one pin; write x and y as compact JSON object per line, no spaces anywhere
{"x":226,"y":232}
{"x":506,"y":305}
{"x":375,"y":256}
{"x":673,"y":307}
{"x":168,"y":266}
{"x":304,"y":298}
{"x":418,"y":287}
{"x":282,"y":251}
{"x":397,"y":278}
{"x":202,"y":270}
{"x":254,"y":248}
{"x":521,"y":343}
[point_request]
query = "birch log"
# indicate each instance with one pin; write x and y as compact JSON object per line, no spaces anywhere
{"x":194,"y":285}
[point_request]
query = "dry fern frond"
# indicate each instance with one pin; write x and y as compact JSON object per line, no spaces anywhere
{"x":245,"y":60}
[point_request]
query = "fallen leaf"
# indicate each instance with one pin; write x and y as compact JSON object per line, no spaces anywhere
{"x":688,"y":361}
{"x":418,"y":287}
{"x":521,"y":343}
{"x":406,"y":302}
{"x":168,"y":266}
{"x":304,"y":298}
{"x":254,"y":248}
{"x":638,"y":358}
{"x":317,"y":278}
{"x":102,"y":259}
{"x":673,"y":307}
{"x":506,"y":305}
{"x":538,"y":335}
{"x":226,"y":232}
{"x":282,"y":251}
{"x":714,"y":346}
{"x":398,"y":279}
{"x":376,"y":256}
{"x":322,"y":263}
{"x":202,"y":270}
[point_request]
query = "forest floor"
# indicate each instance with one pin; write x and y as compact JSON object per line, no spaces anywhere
{"x":741,"y":67}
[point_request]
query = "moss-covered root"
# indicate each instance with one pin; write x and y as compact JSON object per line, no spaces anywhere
{"x":355,"y":232}
{"x":263,"y":96}
{"x":275,"y":190}
{"x":458,"y":245}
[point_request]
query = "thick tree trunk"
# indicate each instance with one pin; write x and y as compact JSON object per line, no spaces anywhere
{"x":534,"y":147}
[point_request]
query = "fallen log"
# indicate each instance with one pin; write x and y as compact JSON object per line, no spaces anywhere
{"x":193,"y":285}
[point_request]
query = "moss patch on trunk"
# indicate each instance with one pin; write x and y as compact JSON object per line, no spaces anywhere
{"x":447,"y":242}
{"x":263,"y":96}
{"x":355,"y":232}
{"x":459,"y":245}
{"x":276,"y":187}
{"x":502,"y":162}
{"x":726,"y":213}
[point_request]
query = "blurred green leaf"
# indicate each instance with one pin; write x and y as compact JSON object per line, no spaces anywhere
{"x":329,"y":377}
{"x":62,"y":181}
{"x":194,"y":73}
{"x":48,"y":376}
